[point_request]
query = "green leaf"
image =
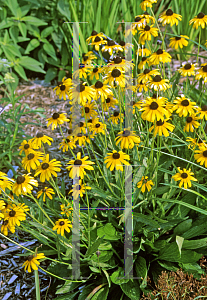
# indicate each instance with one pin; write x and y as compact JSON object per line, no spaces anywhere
{"x":34,"y":21}
{"x":47,"y":31}
{"x":13,"y":6}
{"x":194,"y":244}
{"x":109,"y":231}
{"x":94,"y":247}
{"x":6,"y":24}
{"x":50,"y":74}
{"x":116,"y":274}
{"x":68,"y":287}
{"x":22,"y":28}
{"x":95,"y":270}
{"x":183,"y":227}
{"x":145,"y":219}
{"x":179,"y":241}
{"x":20,"y":71}
{"x":14,"y":32}
{"x":34,"y":43}
{"x":131,"y":289}
{"x":141,"y":270}
{"x":101,"y":294}
{"x":195,"y":231}
{"x":50,"y":50}
{"x":31,"y":64}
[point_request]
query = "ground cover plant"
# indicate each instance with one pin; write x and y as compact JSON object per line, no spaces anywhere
{"x":166,"y":147}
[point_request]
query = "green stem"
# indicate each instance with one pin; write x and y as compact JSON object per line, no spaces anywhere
{"x":199,"y":41}
{"x":37,"y":285}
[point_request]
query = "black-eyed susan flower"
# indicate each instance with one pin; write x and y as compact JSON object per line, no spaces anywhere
{"x":40,"y":138}
{"x":116,"y":116}
{"x":145,"y":183}
{"x":81,"y":139}
{"x":111,"y":46}
{"x":183,"y":106}
{"x":146,"y":33}
{"x":82,"y":93}
{"x":179,"y":41}
{"x":23,"y":184}
{"x":143,"y":51}
{"x":110,"y":101}
{"x":143,"y":62}
{"x":91,"y":122}
{"x":80,"y":127}
{"x":116,"y":77}
{"x":93,"y":35}
{"x":32,"y":160}
{"x":5,"y":226}
{"x":46,"y":191}
{"x":66,"y":209}
{"x":88,"y":57}
{"x":78,"y":165}
{"x":26,"y":147}
{"x":32,"y":262}
{"x":201,"y":156}
{"x":95,"y":72}
{"x":195,"y":142}
{"x":127,"y":138}
{"x":2,"y":207}
{"x":98,"y":127}
{"x":57,"y":119}
{"x":62,"y":225}
{"x":98,"y":41}
{"x":101,"y":90}
{"x":191,"y":123}
{"x":63,"y":87}
{"x":159,"y":56}
{"x":48,"y":168}
{"x":5,"y":182}
{"x":15,"y":215}
{"x":125,"y":46}
{"x":162,"y":127}
{"x":89,"y":110}
{"x":199,"y":20}
{"x":203,"y":112}
{"x":115,"y":160}
{"x":147,"y":3}
{"x":169,"y":17}
{"x":154,"y":110}
{"x":147,"y":75}
{"x":147,"y":17}
{"x":79,"y":189}
{"x":119,"y":63}
{"x":142,"y":86}
{"x":158,"y":83}
{"x":139,"y":22}
{"x":185,"y":177}
{"x":187,"y":69}
{"x":66,"y":143}
{"x":202,"y":73}
{"x":82,"y":72}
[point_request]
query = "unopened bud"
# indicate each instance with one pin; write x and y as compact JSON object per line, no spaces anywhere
{"x":98,"y":253}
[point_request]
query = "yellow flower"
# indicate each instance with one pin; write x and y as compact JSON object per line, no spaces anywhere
{"x":183,"y":106}
{"x":157,"y":83}
{"x":48,"y":168}
{"x":159,"y":56}
{"x":5,"y":182}
{"x":57,"y":119}
{"x":201,"y":157}
{"x":178,"y":41}
{"x":98,"y":41}
{"x":169,"y":17}
{"x":32,"y":262}
{"x":66,"y":210}
{"x":40,"y":138}
{"x":92,"y":37}
{"x":15,"y":215}
{"x":101,"y":90}
{"x":187,"y":69}
{"x":147,"y":75}
{"x":203,"y":112}
{"x":79,"y":189}
{"x":147,"y":3}
{"x":161,"y":128}
{"x":31,"y":160}
{"x":81,"y":93}
{"x":5,"y":226}
{"x":26,"y":147}
{"x":191,"y":123}
{"x":115,"y":117}
{"x":78,"y":165}
{"x":111,"y":46}
{"x":146,"y":32}
{"x":116,"y":159}
{"x":127,"y":139}
{"x":154,"y":109}
{"x":46,"y":192}
{"x":199,"y":20}
{"x":23,"y":185}
{"x":202,"y":73}
{"x":66,"y":143}
{"x":61,"y":226}
{"x":144,"y":183}
{"x":184,"y":177}
{"x":63,"y":88}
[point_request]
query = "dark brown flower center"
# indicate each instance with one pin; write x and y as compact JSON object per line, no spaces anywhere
{"x":187,"y":66}
{"x":11,"y":193}
{"x":157,"y":78}
{"x":118,"y":60}
{"x":169,"y":12}
{"x":146,"y":71}
{"x":116,"y":155}
{"x":147,"y":28}
{"x":67,"y":140}
{"x":132,"y":103}
{"x":144,"y":58}
{"x":97,"y":125}
{"x":79,"y":135}
{"x":122,"y":43}
{"x":95,"y":70}
{"x":12,"y":213}
{"x":160,"y":123}
{"x":45,"y":166}
{"x":98,"y":85}
{"x":26,"y":146}
{"x":39,"y":135}
{"x":62,"y":87}
{"x":115,"y":73}
{"x":189,"y":119}
{"x":199,"y":141}
{"x":159,"y":51}
{"x":154,"y":105}
{"x":55,"y":116}
{"x":205,"y":153}
{"x":178,"y":38}
{"x":61,"y":223}
{"x":30,"y":156}
{"x":204,"y":68}
{"x":137,"y":19}
{"x":30,"y":257}
{"x":204,"y":107}
{"x":184,"y":175}
{"x":116,"y":114}
{"x":200,"y":15}
{"x":80,"y":124}
{"x":108,"y":100}
{"x":20,"y":179}
{"x":85,"y":57}
{"x":126,"y":133}
{"x":78,"y":162}
{"x":70,"y":131}
{"x":111,"y":43}
{"x":90,"y":121}
{"x":94,"y":33}
{"x":86,"y":109}
{"x":185,"y":102}
{"x":154,"y":96}
{"x":80,"y":88}
{"x":97,"y":39}
{"x":5,"y":222}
